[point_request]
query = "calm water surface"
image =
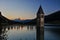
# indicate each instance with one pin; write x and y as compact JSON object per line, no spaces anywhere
{"x":28,"y":32}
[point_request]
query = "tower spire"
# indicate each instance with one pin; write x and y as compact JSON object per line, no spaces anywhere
{"x":40,"y":10}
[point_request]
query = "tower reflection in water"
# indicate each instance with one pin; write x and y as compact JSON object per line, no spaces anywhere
{"x":5,"y":29}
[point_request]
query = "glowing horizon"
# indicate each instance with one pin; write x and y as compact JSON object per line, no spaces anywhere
{"x":27,"y":9}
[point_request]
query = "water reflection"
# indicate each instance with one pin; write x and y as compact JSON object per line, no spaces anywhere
{"x":27,"y":32}
{"x":3,"y":35}
{"x":5,"y":30}
{"x":52,"y":33}
{"x":17,"y":27}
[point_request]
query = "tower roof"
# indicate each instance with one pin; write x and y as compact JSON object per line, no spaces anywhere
{"x":40,"y":10}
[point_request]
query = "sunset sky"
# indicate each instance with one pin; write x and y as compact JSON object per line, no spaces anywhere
{"x":27,"y":9}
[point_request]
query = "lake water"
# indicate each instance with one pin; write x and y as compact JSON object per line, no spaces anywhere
{"x":28,"y":32}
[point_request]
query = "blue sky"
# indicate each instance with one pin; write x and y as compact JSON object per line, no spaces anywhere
{"x":27,"y":9}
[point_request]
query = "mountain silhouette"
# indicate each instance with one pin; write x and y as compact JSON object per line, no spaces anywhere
{"x":51,"y":18}
{"x":6,"y":21}
{"x":3,"y":19}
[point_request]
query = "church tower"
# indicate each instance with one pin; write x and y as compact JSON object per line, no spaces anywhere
{"x":40,"y":16}
{"x":40,"y":24}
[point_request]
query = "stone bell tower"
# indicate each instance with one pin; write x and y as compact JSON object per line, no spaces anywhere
{"x":40,"y":24}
